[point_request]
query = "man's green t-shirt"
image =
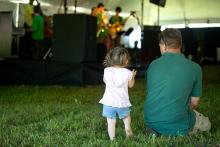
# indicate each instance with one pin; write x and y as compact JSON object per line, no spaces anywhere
{"x":116,"y":19}
{"x":171,"y":82}
{"x":38,"y":28}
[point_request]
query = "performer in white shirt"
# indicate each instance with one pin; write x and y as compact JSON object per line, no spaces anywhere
{"x":131,"y":23}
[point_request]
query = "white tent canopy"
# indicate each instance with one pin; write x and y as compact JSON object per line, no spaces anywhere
{"x":174,"y":12}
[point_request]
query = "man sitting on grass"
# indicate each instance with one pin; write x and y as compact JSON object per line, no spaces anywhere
{"x":174,"y":87}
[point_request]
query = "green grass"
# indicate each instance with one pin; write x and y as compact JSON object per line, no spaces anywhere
{"x":71,"y":116}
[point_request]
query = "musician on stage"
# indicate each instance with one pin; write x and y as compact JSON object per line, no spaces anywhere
{"x":115,"y":26}
{"x":133,"y":31}
{"x":26,"y":42}
{"x":24,"y":51}
{"x":102,"y":26}
{"x":37,"y":34}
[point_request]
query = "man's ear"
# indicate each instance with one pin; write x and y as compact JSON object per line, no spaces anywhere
{"x":163,"y":48}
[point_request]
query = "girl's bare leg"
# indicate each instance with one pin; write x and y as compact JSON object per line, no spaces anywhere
{"x":127,"y":123}
{"x":111,"y":128}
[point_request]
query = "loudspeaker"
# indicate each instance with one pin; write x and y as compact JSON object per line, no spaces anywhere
{"x":150,"y":42}
{"x":159,"y":2}
{"x":74,"y":38}
{"x":6,"y":34}
{"x":189,"y":40}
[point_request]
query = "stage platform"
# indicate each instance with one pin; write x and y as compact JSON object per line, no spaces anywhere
{"x":30,"y":72}
{"x":49,"y":72}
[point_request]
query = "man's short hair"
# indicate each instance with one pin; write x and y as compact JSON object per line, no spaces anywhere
{"x":100,"y":5}
{"x":172,"y":38}
{"x":118,"y":9}
{"x":37,"y":9}
{"x":31,"y":2}
{"x":132,"y":13}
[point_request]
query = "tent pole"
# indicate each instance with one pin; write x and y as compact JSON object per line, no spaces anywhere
{"x":65,"y":6}
{"x":158,"y":15}
{"x":75,"y":4}
{"x":142,"y":14}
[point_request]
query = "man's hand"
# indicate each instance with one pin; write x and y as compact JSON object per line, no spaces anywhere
{"x":194,"y":103}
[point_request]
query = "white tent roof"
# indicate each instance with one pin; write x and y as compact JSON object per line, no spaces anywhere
{"x":174,"y":12}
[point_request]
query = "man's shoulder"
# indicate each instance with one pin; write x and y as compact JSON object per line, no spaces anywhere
{"x":155,"y":65}
{"x":194,"y":65}
{"x":156,"y":62}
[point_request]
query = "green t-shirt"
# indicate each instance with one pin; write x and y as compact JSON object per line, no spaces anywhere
{"x":171,"y":82}
{"x":116,"y":19}
{"x":38,"y":28}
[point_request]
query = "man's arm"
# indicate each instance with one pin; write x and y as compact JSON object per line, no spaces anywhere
{"x":197,"y":88}
{"x":194,"y":103}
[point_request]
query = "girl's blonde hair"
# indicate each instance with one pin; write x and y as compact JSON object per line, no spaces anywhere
{"x":117,"y":56}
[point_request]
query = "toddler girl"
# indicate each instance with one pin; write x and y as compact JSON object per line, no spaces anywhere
{"x":117,"y":79}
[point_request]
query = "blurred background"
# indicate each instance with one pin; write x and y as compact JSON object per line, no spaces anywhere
{"x":78,"y":33}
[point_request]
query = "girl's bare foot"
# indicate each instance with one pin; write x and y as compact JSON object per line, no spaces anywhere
{"x":129,"y":133}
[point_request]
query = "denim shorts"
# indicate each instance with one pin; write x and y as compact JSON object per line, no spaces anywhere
{"x":112,"y":112}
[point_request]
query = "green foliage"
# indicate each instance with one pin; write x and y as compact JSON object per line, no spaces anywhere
{"x":71,"y":116}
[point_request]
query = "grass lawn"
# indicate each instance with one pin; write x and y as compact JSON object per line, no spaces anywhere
{"x":71,"y":116}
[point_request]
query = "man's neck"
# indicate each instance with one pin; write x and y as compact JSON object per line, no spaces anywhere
{"x":172,"y":50}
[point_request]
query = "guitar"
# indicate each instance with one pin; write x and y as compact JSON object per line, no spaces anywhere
{"x":114,"y":29}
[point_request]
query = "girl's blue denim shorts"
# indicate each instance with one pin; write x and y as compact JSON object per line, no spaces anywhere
{"x":112,"y":112}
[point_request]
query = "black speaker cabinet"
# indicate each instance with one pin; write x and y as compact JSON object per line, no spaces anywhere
{"x":74,"y":38}
{"x":150,"y":42}
{"x":159,"y":2}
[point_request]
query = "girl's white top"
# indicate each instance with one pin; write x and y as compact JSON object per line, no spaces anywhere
{"x":116,"y":87}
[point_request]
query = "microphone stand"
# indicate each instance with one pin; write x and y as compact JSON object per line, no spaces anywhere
{"x":65,"y":6}
{"x":142,"y":14}
{"x":75,"y":4}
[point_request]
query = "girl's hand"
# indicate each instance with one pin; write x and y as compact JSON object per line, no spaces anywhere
{"x":132,"y":81}
{"x":134,"y":72}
